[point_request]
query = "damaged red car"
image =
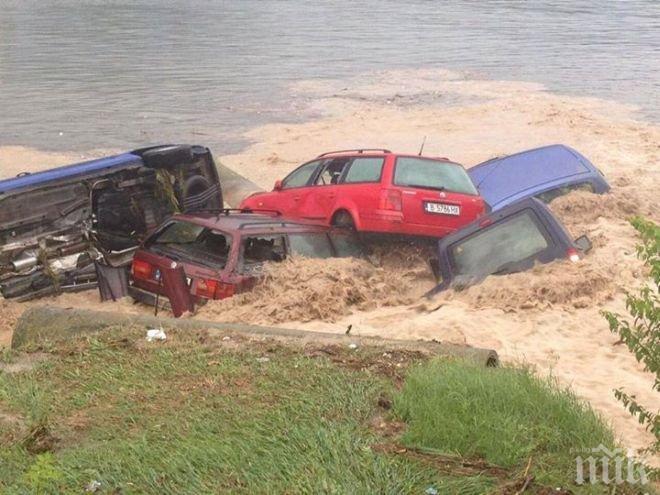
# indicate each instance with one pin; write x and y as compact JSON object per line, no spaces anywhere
{"x":224,"y":253}
{"x":377,"y":191}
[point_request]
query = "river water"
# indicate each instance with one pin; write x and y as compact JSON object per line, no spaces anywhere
{"x":111,"y":74}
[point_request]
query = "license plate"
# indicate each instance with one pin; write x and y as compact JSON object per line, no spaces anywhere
{"x":442,"y":208}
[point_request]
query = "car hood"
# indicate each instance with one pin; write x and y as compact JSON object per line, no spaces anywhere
{"x":502,"y":181}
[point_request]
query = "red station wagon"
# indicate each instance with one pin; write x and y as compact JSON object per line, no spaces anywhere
{"x":224,"y":253}
{"x":377,"y":191}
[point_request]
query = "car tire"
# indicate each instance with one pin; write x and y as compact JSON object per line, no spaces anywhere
{"x":343,"y":220}
{"x":167,"y":156}
{"x":199,"y":194}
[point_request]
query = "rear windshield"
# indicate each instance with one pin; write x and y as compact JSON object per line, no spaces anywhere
{"x":192,"y":242}
{"x":492,"y":249}
{"x":432,"y":174}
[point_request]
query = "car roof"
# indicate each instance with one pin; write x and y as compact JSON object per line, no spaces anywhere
{"x":504,"y":180}
{"x":239,"y":222}
{"x":377,"y":152}
{"x":69,"y":171}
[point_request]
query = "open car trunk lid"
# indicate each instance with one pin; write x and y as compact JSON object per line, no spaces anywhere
{"x":503,"y":181}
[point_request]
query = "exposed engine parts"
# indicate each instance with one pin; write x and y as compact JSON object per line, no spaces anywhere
{"x":55,"y":225}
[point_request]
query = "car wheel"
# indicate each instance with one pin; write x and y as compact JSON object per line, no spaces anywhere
{"x":344,"y":220}
{"x":168,"y":156}
{"x":199,"y":194}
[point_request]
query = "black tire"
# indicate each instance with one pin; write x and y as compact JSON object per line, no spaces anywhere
{"x":199,"y":194}
{"x":168,"y":156}
{"x":343,"y":220}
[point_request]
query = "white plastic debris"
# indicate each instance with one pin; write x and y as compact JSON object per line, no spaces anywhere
{"x":263,"y":359}
{"x":352,"y":346}
{"x":431,"y":491}
{"x":93,"y":486}
{"x":155,"y":334}
{"x":226,"y":337}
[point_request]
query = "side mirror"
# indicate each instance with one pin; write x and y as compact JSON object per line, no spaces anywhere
{"x":278,"y":185}
{"x":583,"y":243}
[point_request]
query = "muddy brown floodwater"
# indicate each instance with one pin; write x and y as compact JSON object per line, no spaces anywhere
{"x":548,"y":317}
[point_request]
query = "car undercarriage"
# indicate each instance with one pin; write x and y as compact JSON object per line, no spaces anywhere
{"x":54,"y":229}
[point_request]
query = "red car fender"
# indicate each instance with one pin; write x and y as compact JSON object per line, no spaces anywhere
{"x":351,"y":208}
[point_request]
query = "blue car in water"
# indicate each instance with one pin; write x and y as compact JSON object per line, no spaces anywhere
{"x":544,"y":173}
{"x":57,"y":225}
{"x":511,"y":239}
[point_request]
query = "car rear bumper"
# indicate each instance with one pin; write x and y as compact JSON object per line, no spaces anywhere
{"x":394,"y":223}
{"x":148,"y":298}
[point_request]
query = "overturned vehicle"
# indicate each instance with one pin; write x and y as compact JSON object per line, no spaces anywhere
{"x":58,"y":225}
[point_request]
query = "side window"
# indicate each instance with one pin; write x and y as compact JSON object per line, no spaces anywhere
{"x":300,"y":177}
{"x":332,"y":171}
{"x":364,"y":170}
{"x":310,"y":245}
{"x":257,"y":250}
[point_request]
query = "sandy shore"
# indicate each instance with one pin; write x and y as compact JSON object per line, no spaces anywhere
{"x":549,"y":317}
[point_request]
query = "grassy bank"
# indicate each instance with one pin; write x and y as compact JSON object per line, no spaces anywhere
{"x":195,"y":415}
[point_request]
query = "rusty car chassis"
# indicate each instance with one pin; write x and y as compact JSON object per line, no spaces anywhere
{"x":56,"y":226}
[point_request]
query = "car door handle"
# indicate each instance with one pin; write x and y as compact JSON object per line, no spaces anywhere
{"x":296,"y":198}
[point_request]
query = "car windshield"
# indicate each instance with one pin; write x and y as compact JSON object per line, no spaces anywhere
{"x":490,"y":250}
{"x":432,"y":174}
{"x":192,"y":242}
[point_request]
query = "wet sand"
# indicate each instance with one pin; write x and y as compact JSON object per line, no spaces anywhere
{"x":548,"y":317}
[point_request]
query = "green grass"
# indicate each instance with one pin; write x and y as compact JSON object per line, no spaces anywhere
{"x":192,"y":416}
{"x":505,"y":416}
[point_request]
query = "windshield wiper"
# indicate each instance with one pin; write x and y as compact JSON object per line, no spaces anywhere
{"x":420,"y":186}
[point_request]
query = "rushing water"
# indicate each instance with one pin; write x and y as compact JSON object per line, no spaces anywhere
{"x":82,"y":74}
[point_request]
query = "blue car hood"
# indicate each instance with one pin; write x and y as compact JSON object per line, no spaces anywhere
{"x":502,"y":181}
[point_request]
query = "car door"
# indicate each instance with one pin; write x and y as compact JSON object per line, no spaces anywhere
{"x":360,"y":185}
{"x":317,"y":203}
{"x":288,"y":197}
{"x":295,"y":189}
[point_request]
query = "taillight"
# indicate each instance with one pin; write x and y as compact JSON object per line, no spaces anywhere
{"x":573,"y":255}
{"x":390,"y":199}
{"x":223,"y":290}
{"x":142,"y":269}
{"x":213,"y":289}
{"x":206,"y":288}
